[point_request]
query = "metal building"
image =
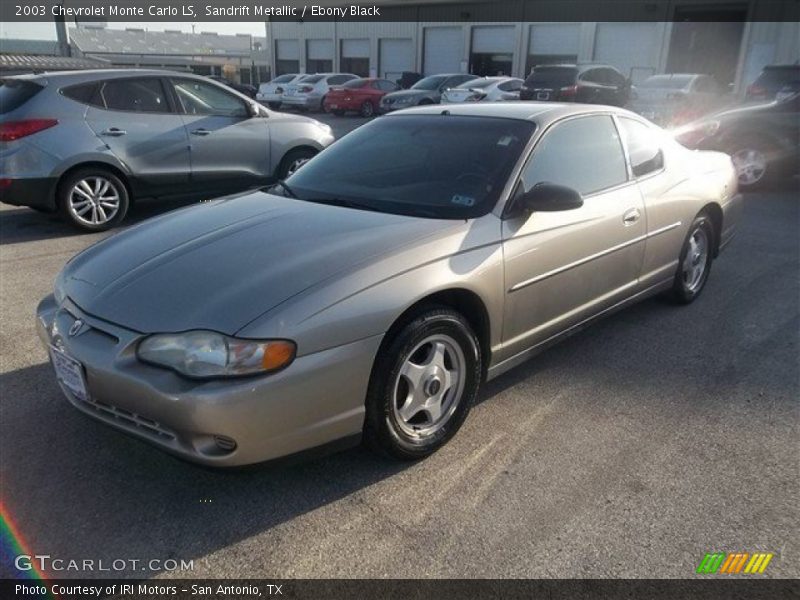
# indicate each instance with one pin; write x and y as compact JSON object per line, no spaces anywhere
{"x":728,"y":39}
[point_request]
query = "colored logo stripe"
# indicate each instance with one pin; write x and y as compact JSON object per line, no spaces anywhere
{"x":734,"y":562}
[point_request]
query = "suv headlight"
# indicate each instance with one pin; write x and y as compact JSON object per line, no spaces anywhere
{"x":208,"y":354}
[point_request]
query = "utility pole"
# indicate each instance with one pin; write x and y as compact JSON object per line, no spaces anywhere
{"x":63,"y":37}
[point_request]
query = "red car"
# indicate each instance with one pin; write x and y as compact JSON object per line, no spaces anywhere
{"x":359,"y":95}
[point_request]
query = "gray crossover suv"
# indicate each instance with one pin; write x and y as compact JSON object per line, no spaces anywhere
{"x":87,"y":143}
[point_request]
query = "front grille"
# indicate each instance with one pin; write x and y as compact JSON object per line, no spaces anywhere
{"x":114,"y":413}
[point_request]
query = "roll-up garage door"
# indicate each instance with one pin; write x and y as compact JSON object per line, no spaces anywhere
{"x":355,"y":48}
{"x":554,"y":38}
{"x":287,"y":49}
{"x":491,"y":40}
{"x":396,"y":56}
{"x":613,"y":43}
{"x":320,"y":49}
{"x":444,"y":48}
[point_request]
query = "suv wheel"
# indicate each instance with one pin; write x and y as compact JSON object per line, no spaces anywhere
{"x":294,"y":160}
{"x":93,"y":199}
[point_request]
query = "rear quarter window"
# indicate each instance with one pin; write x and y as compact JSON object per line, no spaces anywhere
{"x":14,"y":93}
{"x":85,"y":93}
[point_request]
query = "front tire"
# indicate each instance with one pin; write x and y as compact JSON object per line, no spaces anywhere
{"x":294,"y":160}
{"x":754,"y":160}
{"x":423,"y":385}
{"x":694,"y":264}
{"x":93,"y":199}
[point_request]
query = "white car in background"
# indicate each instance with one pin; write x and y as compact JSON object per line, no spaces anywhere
{"x":484,"y":89}
{"x":308,"y":93}
{"x":270,"y":93}
{"x":676,"y":98}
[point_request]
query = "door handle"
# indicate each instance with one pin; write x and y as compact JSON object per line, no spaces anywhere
{"x":631,"y":216}
{"x":200,"y":132}
{"x":113,"y":132}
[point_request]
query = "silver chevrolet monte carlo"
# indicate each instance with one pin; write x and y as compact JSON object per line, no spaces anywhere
{"x":375,"y":289}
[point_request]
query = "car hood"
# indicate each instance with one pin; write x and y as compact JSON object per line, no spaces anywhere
{"x":222,"y":264}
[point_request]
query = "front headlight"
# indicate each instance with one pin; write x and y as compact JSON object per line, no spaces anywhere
{"x":208,"y":354}
{"x":58,"y":288}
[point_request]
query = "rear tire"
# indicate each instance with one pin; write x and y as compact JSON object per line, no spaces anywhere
{"x":93,"y":199}
{"x":294,"y":160}
{"x":423,"y":385}
{"x":367,"y":109}
{"x":694,"y":263}
{"x":338,"y":113}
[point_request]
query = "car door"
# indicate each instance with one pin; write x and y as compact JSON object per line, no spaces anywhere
{"x":617,"y":86}
{"x":229,"y":148}
{"x":563,"y":267}
{"x":666,"y":210}
{"x":590,"y":88}
{"x":136,"y":119}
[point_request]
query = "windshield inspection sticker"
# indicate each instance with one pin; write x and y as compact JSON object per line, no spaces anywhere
{"x":462,"y":200}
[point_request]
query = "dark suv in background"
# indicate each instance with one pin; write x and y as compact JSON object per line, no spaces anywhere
{"x":774,"y":80}
{"x":591,"y":83}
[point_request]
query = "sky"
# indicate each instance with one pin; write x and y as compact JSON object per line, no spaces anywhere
{"x":47,"y":31}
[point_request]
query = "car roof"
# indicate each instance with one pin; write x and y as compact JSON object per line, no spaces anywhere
{"x":65,"y":77}
{"x":543,"y":113}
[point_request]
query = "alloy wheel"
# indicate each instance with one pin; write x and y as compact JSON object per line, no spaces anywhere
{"x":694,"y":263}
{"x":429,"y":386}
{"x":94,"y":200}
{"x":751,"y":165}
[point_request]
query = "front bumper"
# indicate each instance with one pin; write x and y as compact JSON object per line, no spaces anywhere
{"x":36,"y":191}
{"x":317,"y":400}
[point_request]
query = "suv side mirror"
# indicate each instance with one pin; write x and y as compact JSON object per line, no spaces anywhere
{"x":551,"y":197}
{"x":254,"y":110}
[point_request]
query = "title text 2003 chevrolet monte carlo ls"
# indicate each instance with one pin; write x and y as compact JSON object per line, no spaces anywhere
{"x":377,"y":287}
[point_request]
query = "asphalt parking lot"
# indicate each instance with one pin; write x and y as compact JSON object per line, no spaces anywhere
{"x":629,"y":450}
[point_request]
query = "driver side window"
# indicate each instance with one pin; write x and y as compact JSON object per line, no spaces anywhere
{"x":583,"y":153}
{"x":200,"y":98}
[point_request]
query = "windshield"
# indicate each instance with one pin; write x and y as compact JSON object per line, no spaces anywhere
{"x":552,"y":76}
{"x":311,"y":78}
{"x":429,"y":83}
{"x":283,"y":79}
{"x":666,"y":82}
{"x":439,"y":166}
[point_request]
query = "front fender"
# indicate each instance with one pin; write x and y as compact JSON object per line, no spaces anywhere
{"x":368,"y":301}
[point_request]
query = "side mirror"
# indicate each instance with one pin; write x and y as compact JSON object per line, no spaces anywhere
{"x":551,"y":197}
{"x":254,"y":110}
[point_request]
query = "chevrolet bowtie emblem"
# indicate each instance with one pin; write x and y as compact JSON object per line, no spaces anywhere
{"x":76,"y":327}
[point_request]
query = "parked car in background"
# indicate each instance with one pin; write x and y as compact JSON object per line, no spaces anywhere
{"x":86,"y":143}
{"x":308,"y":93}
{"x":358,"y":95}
{"x":771,"y":80}
{"x":371,"y":294}
{"x":591,"y":83}
{"x":675,"y":98}
{"x":243,"y":88}
{"x":271,"y":93}
{"x":762,"y":139}
{"x":426,"y":91}
{"x":485,"y":89}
